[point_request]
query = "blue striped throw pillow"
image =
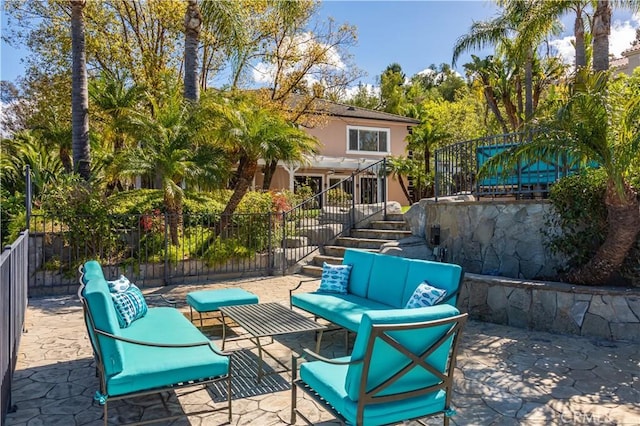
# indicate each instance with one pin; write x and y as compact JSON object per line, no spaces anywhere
{"x":425,"y":295}
{"x":130,"y":305}
{"x":335,"y":278}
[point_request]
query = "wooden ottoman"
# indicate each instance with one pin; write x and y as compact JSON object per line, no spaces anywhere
{"x":212,"y":300}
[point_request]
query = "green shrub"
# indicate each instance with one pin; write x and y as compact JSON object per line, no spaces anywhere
{"x":338,"y":197}
{"x":581,"y":215}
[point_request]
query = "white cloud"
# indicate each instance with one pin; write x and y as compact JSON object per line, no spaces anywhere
{"x":622,"y":35}
{"x":300,"y":44}
{"x":350,"y":92}
{"x":565,"y":48}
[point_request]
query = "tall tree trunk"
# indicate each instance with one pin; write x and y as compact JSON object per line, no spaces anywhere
{"x":79,"y":93}
{"x":601,"y":30}
{"x":403,"y":186}
{"x":623,"y":226}
{"x":493,"y":106}
{"x":578,"y":31}
{"x":269,"y":171}
{"x":192,"y":26}
{"x":528,"y":85}
{"x":245,"y":177}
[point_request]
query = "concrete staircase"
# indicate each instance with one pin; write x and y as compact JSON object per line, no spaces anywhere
{"x":371,"y":238}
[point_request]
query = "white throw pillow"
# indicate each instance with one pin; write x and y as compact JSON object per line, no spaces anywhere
{"x":425,"y":295}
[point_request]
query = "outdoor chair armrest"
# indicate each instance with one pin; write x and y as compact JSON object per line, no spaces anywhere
{"x":298,"y":286}
{"x":318,"y":357}
{"x":163,"y":345}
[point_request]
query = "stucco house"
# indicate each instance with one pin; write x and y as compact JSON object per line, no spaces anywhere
{"x":351,"y":139}
{"x":630,"y":59}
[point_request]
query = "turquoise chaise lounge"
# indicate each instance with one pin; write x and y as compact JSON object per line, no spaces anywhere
{"x":377,"y":282}
{"x":159,"y":352}
{"x":401,"y":368}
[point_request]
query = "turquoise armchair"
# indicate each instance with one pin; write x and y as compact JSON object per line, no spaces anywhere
{"x":401,"y":368}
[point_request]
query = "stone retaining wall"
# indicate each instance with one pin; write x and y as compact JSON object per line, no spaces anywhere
{"x":609,"y":313}
{"x":502,"y":238}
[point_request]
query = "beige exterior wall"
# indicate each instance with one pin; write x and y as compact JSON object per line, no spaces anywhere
{"x":333,"y":143}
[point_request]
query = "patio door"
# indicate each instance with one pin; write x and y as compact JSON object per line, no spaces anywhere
{"x":369,"y":190}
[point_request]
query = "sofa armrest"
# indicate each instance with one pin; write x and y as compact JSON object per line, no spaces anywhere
{"x":307,"y":353}
{"x":162,"y":299}
{"x":298,"y":286}
{"x":163,"y":345}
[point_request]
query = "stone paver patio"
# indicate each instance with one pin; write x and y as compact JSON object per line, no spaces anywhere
{"x":505,"y":376}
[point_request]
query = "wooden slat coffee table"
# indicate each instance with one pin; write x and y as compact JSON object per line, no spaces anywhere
{"x":268,"y":320}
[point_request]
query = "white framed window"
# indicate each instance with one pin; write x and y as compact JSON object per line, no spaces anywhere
{"x":368,"y":139}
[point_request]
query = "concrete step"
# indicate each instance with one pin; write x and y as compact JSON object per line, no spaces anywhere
{"x":338,"y":251}
{"x":383,"y":234}
{"x":363,"y":243}
{"x":312,"y":271}
{"x":395,"y":217}
{"x":399,"y":225}
{"x":333,"y":260}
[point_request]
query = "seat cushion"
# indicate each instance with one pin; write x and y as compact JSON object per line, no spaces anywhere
{"x":344,"y":310}
{"x":359,"y":278}
{"x":100,"y":304}
{"x":387,"y":280}
{"x":151,"y":367}
{"x":329,"y":382}
{"x":386,"y":361}
{"x":212,"y":300}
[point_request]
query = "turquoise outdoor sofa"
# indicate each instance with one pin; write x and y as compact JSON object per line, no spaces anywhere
{"x":377,"y":282}
{"x":401,"y":368}
{"x":159,"y":352}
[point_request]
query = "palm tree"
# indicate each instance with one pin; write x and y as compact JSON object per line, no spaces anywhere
{"x":424,"y":139}
{"x":175,"y":146}
{"x":399,"y":168}
{"x":288,"y":150}
{"x":602,"y":125}
{"x":79,"y":96}
{"x":222,"y":17}
{"x":249,"y":132}
{"x":601,"y":31}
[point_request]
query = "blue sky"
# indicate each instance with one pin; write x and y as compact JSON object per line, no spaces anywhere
{"x":414,"y":34}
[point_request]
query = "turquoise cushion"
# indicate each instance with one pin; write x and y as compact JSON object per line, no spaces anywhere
{"x":344,"y":310}
{"x":335,"y":278}
{"x":386,"y":283}
{"x":359,"y":279}
{"x":98,"y":297}
{"x":425,"y":295}
{"x":329,"y":381}
{"x":130,"y":305}
{"x":445,"y":276}
{"x":151,"y":367}
{"x":212,"y":300}
{"x":91,"y":269}
{"x":386,"y":361}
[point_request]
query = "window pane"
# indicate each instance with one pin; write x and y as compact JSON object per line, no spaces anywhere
{"x":368,"y":140}
{"x":353,"y":139}
{"x":383,"y":141}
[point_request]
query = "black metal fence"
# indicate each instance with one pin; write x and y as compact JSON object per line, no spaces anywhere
{"x":332,"y":213}
{"x":143,"y":248}
{"x":13,"y":305}
{"x":457,"y":166}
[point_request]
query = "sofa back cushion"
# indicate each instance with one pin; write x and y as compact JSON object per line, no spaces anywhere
{"x":100,"y":304}
{"x":359,"y":278}
{"x":445,"y":276}
{"x":386,"y":283}
{"x":386,"y":361}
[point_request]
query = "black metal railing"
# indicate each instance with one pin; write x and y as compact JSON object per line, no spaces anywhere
{"x":457,"y":166}
{"x":13,"y":304}
{"x":141,"y":246}
{"x":332,"y":213}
